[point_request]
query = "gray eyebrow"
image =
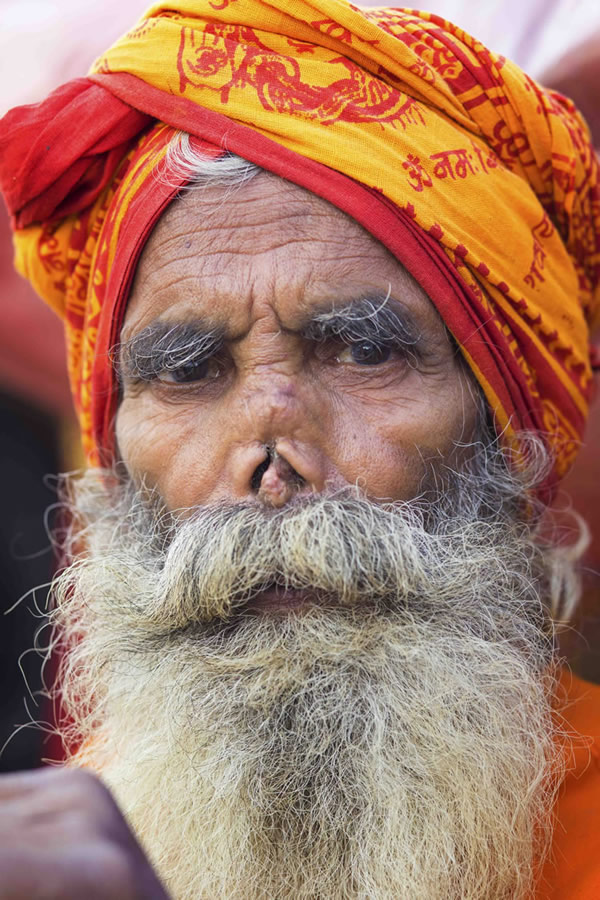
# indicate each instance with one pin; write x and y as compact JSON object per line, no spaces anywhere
{"x":374,"y":318}
{"x":164,"y":346}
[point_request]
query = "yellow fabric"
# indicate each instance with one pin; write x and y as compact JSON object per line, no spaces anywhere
{"x":225,"y":55}
{"x":499,"y":171}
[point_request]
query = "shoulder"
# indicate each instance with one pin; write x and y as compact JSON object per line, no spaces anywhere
{"x":573,"y":872}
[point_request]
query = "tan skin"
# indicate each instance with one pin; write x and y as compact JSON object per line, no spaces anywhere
{"x":336,"y":412}
{"x":61,"y":834}
{"x":259,"y":266}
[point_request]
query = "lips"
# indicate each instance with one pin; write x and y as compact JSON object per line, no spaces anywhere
{"x":277,"y":598}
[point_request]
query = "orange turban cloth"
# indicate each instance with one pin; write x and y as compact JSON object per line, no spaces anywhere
{"x":483,"y":184}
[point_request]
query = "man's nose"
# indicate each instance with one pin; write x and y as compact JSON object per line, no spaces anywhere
{"x":276,"y":446}
{"x":275,"y":481}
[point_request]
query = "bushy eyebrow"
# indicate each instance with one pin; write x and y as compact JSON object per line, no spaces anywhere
{"x":165,"y":346}
{"x":378,"y":319}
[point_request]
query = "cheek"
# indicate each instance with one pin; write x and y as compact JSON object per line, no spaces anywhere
{"x":367,"y":453}
{"x":384,"y":442}
{"x":390,"y":448}
{"x":167,"y":449}
{"x":385,"y":459}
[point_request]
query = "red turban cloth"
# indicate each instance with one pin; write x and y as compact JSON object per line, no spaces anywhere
{"x":483,"y":184}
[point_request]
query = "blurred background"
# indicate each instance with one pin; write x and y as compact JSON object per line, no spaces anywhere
{"x":46,"y":42}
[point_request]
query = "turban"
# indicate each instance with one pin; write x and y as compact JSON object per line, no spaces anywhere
{"x":483,"y":184}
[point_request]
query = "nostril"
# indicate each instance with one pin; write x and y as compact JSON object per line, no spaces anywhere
{"x":259,"y":472}
{"x":296,"y":478}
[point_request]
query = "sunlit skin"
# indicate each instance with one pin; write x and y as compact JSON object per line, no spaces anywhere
{"x":258,"y":264}
{"x":269,"y":248}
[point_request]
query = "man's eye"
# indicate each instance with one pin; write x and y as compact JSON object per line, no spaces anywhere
{"x":192,"y":371}
{"x":365,"y":353}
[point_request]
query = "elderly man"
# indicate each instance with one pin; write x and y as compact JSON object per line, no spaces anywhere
{"x":327,"y":277}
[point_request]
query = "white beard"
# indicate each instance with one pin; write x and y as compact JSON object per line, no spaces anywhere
{"x":395,"y":743}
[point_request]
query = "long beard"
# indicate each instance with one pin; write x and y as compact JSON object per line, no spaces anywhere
{"x":395,"y":739}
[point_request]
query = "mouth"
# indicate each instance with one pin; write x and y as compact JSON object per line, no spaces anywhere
{"x":278,"y":599}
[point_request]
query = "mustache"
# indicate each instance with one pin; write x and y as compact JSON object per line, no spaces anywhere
{"x":386,"y":741}
{"x":347,"y":549}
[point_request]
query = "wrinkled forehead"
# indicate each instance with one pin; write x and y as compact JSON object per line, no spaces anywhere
{"x":230,"y":253}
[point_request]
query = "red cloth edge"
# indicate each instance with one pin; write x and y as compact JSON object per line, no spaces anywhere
{"x":418,"y":251}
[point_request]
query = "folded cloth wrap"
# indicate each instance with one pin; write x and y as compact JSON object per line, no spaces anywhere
{"x":481,"y":182}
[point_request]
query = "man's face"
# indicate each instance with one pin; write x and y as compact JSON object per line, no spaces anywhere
{"x":293,"y":399}
{"x":272,"y":319}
